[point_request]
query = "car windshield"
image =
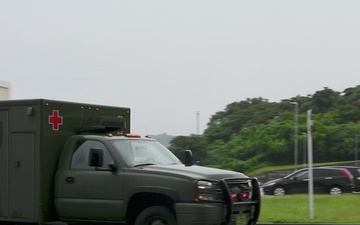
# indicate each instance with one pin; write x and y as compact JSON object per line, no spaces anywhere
{"x":140,"y":152}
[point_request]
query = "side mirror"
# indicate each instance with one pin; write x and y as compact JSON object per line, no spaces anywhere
{"x":96,"y":157}
{"x":112,"y":167}
{"x":189,"y":159}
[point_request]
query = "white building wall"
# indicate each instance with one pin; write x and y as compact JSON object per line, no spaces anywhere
{"x":4,"y":90}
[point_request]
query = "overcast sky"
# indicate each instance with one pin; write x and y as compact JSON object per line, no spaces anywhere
{"x":166,"y":60}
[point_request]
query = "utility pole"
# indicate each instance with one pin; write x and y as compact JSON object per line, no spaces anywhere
{"x":310,"y":164}
{"x":296,"y":115}
{"x":197,"y":122}
{"x":304,"y":149}
{"x":356,"y":149}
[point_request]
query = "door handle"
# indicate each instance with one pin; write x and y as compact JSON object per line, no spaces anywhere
{"x":69,"y":180}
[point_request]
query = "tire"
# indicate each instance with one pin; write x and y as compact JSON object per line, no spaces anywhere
{"x":155,"y":215}
{"x":335,"y":190}
{"x":279,"y":191}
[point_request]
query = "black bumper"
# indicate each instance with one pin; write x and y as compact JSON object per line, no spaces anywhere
{"x":251,"y":208}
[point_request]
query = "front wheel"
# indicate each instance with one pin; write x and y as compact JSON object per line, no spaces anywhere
{"x":279,"y":191}
{"x":155,"y":215}
{"x":335,"y":190}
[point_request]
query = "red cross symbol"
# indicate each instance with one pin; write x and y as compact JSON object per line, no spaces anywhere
{"x":55,"y":120}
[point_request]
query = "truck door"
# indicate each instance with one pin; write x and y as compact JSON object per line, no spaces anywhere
{"x":87,"y":193}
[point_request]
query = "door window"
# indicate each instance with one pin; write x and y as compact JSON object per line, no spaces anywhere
{"x":322,"y":173}
{"x":80,"y":157}
{"x":301,"y":175}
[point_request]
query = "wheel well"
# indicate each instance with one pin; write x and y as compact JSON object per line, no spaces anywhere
{"x":140,"y":201}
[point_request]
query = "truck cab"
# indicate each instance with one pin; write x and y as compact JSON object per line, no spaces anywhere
{"x":89,"y":168}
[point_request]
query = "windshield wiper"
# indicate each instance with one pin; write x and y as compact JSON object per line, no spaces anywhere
{"x":144,"y":164}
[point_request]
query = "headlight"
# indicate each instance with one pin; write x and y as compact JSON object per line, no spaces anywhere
{"x":208,"y":191}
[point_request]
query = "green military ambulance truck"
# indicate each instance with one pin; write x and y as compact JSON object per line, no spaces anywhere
{"x":78,"y":163}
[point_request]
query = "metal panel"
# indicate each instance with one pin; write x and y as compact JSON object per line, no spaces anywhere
{"x":4,"y":93}
{"x":21,"y":182}
{"x":4,"y":176}
{"x":4,"y":90}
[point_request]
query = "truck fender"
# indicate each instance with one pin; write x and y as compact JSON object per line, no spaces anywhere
{"x":173,"y":194}
{"x":170,"y":194}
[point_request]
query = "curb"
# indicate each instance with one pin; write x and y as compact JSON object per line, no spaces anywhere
{"x":267,"y":223}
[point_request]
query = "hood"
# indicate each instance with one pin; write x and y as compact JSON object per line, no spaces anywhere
{"x":273,"y":181}
{"x":195,"y":172}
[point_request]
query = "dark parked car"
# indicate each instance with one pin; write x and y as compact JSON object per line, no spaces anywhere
{"x":326,"y":180}
{"x":355,"y":172}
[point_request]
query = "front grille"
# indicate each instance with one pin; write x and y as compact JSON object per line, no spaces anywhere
{"x":241,"y":196}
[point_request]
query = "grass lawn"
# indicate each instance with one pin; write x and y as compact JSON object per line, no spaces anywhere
{"x":295,"y":209}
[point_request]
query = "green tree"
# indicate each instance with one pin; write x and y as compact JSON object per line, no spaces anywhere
{"x":325,"y":99}
{"x":196,"y":143}
{"x":255,"y":132}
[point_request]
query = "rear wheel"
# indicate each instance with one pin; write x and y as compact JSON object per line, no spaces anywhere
{"x":156,"y":215}
{"x":335,"y":190}
{"x":279,"y":191}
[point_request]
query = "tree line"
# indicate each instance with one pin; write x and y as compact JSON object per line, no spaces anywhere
{"x":255,"y":133}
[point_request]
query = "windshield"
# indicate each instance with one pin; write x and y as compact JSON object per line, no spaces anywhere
{"x":301,"y":174}
{"x":139,"y":152}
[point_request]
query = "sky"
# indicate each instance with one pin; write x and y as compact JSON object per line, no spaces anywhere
{"x":177,"y":63}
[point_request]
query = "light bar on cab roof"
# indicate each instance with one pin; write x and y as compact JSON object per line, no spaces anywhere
{"x":133,"y":135}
